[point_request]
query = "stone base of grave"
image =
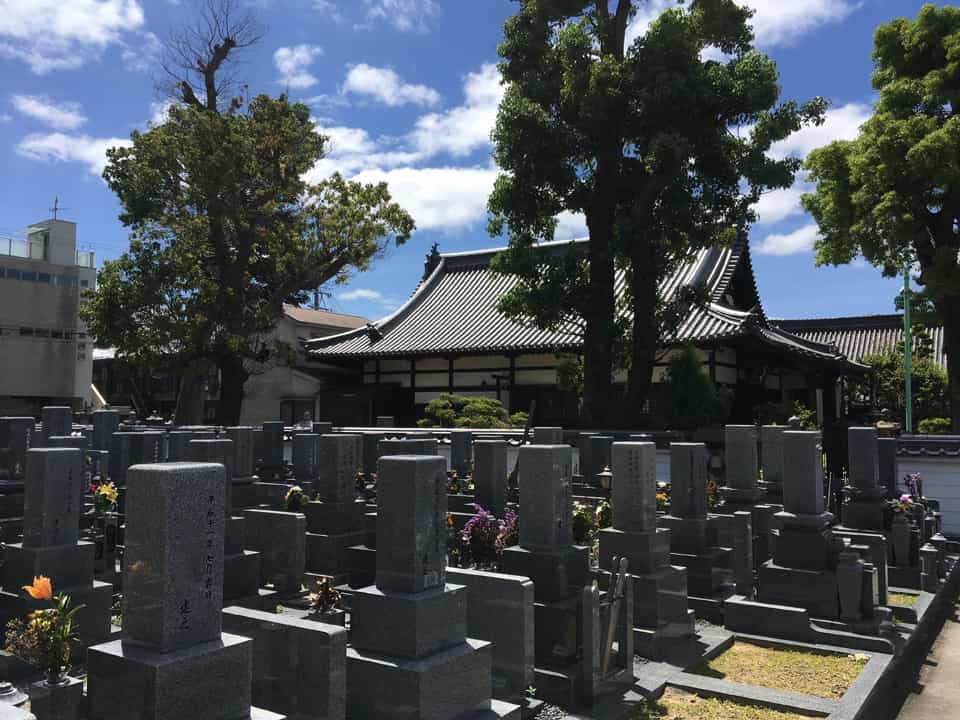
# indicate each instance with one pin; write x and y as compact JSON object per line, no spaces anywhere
{"x":211,"y":680}
{"x":816,"y":591}
{"x":762,"y":521}
{"x":451,"y":684}
{"x":413,"y":626}
{"x":361,"y":565}
{"x":708,"y":572}
{"x":61,"y":702}
{"x":651,"y":642}
{"x":556,"y":640}
{"x":865,"y":509}
{"x":93,"y":619}
{"x":646,"y":552}
{"x":271,"y":495}
{"x":660,"y":603}
{"x":553,"y":574}
{"x":334,"y":518}
{"x":686,"y":535}
{"x":330,"y":553}
{"x":65,"y":565}
{"x":241,"y":575}
{"x":243,"y":493}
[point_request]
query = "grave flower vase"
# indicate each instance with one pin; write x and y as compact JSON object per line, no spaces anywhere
{"x":56,"y":698}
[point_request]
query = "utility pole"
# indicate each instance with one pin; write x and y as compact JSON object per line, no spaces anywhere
{"x":907,"y":374}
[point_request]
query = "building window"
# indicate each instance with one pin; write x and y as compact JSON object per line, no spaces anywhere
{"x":84,"y":283}
{"x":13,"y":274}
{"x":39,"y":241}
{"x":43,"y":277}
{"x":28,"y":275}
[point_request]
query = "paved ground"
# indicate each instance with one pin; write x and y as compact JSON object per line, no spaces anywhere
{"x":937,"y":696}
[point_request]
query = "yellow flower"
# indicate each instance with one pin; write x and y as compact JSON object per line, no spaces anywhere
{"x":109,"y":491}
{"x":41,"y":588}
{"x":449,"y":520}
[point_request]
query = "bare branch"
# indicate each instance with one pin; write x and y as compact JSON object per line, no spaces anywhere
{"x":200,"y":59}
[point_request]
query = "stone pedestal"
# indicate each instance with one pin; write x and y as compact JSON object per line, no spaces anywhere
{"x":56,"y":702}
{"x":174,"y":662}
{"x":409,"y":654}
{"x":742,"y":492}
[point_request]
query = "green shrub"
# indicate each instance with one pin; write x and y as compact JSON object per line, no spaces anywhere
{"x":458,"y":411}
{"x":935,"y":426}
{"x":929,"y":386}
{"x":691,"y":399}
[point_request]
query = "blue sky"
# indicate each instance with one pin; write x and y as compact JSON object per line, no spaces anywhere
{"x":407,"y":92}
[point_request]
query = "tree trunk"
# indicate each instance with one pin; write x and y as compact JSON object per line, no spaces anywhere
{"x":233,"y":376}
{"x":643,"y":349}
{"x":597,"y":409}
{"x":190,"y":398}
{"x":949,"y":310}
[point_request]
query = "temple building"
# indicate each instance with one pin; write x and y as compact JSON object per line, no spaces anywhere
{"x":450,"y":337}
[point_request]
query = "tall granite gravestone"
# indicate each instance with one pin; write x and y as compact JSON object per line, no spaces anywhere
{"x":812,"y":568}
{"x":887,"y":466}
{"x":105,"y":424}
{"x":51,"y":546}
{"x":55,"y":420}
{"x":694,"y":541}
{"x":659,"y":589}
{"x":280,"y":538}
{"x":771,"y":453}
{"x":546,"y":553}
{"x":864,"y":506}
{"x":306,"y":460}
{"x":272,"y":466}
{"x":244,"y":493}
{"x":335,"y":520}
{"x":490,"y":475}
{"x":410,"y":656}
{"x":371,"y":451}
{"x":16,"y":437}
{"x":178,"y":445}
{"x":594,"y":456}
{"x":241,"y":568}
{"x":461,"y":451}
{"x":741,"y":491}
{"x":174,"y":662}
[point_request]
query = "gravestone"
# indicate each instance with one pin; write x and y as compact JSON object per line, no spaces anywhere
{"x":78,"y":442}
{"x":321,"y":428}
{"x":105,"y":424}
{"x":594,"y":456}
{"x":417,"y":446}
{"x":306,"y":460}
{"x":887,"y":466}
{"x":174,"y":661}
{"x":659,"y":589}
{"x":371,"y":451}
{"x":244,"y":492}
{"x":55,"y":420}
{"x":51,"y":544}
{"x":408,"y":634}
{"x":805,"y":568}
{"x":121,"y":457}
{"x":299,"y":665}
{"x":771,"y":452}
{"x":490,"y":475}
{"x":16,"y":437}
{"x":280,"y":538}
{"x":694,"y":535}
{"x":741,"y":491}
{"x":863,"y":509}
{"x":335,"y":520}
{"x":272,"y":466}
{"x":178,"y":445}
{"x":461,"y":451}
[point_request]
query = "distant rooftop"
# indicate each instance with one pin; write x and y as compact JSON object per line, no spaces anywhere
{"x":309,"y":316}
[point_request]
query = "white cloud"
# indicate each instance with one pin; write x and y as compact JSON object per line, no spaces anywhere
{"x":51,"y":35}
{"x":778,"y":205}
{"x":570,"y":226}
{"x":438,"y":198}
{"x":841,"y":123}
{"x":293,"y":64}
{"x":58,"y":147}
{"x":461,"y":130}
{"x":385,"y":86}
{"x":799,"y":241}
{"x":144,"y":54}
{"x":361,"y":294}
{"x":775,"y":22}
{"x":328,"y":8}
{"x":61,"y":116}
{"x":403,"y":15}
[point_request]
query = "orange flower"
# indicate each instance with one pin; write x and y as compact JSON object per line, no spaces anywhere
{"x":41,"y":588}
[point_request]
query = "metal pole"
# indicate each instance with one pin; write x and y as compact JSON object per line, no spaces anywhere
{"x":907,"y":373}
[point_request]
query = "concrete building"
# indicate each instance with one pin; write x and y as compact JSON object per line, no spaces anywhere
{"x":46,"y":357}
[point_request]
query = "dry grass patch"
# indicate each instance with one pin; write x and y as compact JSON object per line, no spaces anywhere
{"x":680,"y":705}
{"x":903,"y":599}
{"x":826,"y":676}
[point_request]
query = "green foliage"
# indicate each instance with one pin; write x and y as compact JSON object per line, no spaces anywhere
{"x":570,"y":373}
{"x":584,"y":524}
{"x":637,"y":138}
{"x":929,"y":386}
{"x":691,"y":400}
{"x":225,"y":230}
{"x":458,"y":411}
{"x":935,"y":426}
{"x":893,"y":193}
{"x":807,"y":416}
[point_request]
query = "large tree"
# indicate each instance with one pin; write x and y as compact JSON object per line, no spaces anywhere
{"x":893,"y":193}
{"x":224,"y":228}
{"x":660,"y":147}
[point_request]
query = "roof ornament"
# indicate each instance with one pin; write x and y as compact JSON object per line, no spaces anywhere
{"x":373,"y":332}
{"x":431,"y":261}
